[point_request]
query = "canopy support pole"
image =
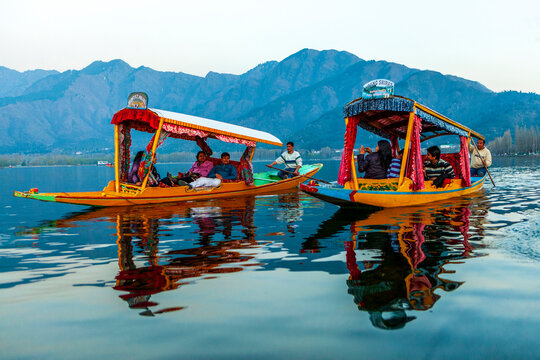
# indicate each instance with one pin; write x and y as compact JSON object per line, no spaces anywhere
{"x":405,"y":157}
{"x":354,"y":175}
{"x":116,"y":160}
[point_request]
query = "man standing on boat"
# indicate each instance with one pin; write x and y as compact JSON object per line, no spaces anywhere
{"x":480,"y":158}
{"x":292,"y":161}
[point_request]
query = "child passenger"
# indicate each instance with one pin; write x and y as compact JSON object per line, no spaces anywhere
{"x":395,"y":166}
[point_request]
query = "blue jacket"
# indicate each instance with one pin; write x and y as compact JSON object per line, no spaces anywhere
{"x":227,"y":171}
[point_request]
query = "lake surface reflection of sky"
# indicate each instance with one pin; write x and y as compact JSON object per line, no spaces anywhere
{"x":275,"y":276}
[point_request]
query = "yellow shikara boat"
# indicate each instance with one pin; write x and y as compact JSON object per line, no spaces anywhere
{"x":163,"y":124}
{"x":395,"y":117}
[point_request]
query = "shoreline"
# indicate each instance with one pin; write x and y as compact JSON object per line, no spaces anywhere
{"x":310,"y":160}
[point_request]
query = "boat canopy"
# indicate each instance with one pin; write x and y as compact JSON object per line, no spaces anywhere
{"x":190,"y":127}
{"x":396,"y":117}
{"x":165,"y":124}
{"x":389,"y":117}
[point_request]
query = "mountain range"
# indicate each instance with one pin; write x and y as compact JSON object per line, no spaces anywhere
{"x":299,"y":98}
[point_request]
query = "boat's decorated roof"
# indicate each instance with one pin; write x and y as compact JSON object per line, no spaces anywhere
{"x":149,"y":119}
{"x":390,"y":116}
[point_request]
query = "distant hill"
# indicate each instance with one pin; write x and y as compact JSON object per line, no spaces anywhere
{"x":299,"y":98}
{"x":14,"y":83}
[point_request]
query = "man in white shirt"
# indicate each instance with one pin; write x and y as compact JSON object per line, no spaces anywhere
{"x":292,"y":161}
{"x":477,"y":165}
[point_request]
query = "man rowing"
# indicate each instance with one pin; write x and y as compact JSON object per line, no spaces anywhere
{"x":292,"y":161}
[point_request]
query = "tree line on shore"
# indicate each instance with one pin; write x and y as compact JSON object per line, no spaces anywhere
{"x":524,"y":141}
{"x":50,"y":159}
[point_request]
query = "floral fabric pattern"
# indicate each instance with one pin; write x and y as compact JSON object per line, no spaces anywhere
{"x":348,"y":148}
{"x":415,"y":166}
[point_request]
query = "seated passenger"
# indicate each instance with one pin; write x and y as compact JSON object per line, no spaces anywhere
{"x":153,"y":177}
{"x":435,"y":168}
{"x":375,"y":163}
{"x":201,"y":167}
{"x":225,"y":170}
{"x":395,"y":166}
{"x":133,"y":177}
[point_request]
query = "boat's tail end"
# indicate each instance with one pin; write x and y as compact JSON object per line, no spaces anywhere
{"x":34,"y":194}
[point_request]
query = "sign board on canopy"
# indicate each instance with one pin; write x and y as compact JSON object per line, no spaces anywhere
{"x":378,"y":89}
{"x":138,"y":100}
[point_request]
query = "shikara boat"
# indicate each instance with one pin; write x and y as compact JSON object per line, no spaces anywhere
{"x":394,"y":118}
{"x":163,"y":124}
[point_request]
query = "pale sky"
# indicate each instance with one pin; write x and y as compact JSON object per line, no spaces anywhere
{"x":494,"y":42}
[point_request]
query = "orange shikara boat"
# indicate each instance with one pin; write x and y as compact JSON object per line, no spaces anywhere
{"x":163,"y":124}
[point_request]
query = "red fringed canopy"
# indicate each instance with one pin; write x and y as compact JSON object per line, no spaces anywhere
{"x":143,"y":115}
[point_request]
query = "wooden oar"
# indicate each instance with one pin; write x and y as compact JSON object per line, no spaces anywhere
{"x":290,"y":172}
{"x":483,"y":162}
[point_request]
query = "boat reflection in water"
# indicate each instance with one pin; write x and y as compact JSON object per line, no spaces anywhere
{"x":146,"y":268}
{"x":290,"y":210}
{"x":396,"y":257}
{"x":170,"y":269}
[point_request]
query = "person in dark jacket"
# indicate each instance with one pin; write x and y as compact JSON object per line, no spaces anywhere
{"x":133,"y":176}
{"x":224,"y":171}
{"x":375,"y":164}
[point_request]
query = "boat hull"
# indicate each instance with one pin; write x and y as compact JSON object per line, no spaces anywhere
{"x":158,"y":195}
{"x":391,"y":198}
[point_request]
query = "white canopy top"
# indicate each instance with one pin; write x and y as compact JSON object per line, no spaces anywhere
{"x":217,"y":127}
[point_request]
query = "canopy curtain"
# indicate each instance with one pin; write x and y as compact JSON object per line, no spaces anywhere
{"x":187,"y":132}
{"x":464,"y":161}
{"x":231,"y":139}
{"x":348,"y":148}
{"x":395,"y":145}
{"x":204,"y":146}
{"x":415,"y":169}
{"x":247,"y":166}
{"x":146,"y":161}
{"x":124,"y":146}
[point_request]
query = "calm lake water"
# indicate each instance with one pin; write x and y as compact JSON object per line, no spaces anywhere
{"x":277,"y":276}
